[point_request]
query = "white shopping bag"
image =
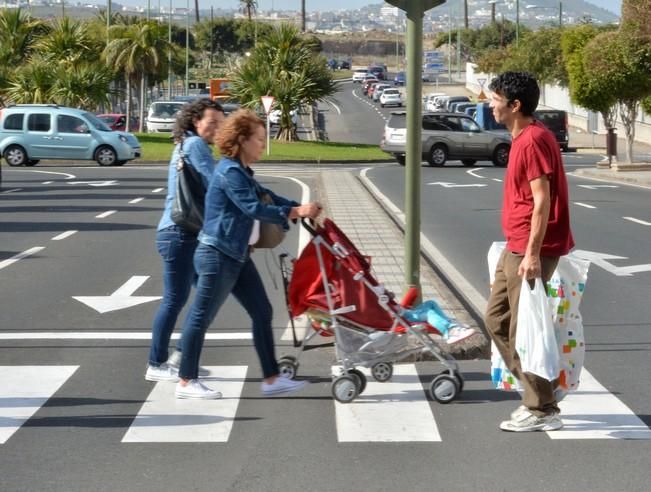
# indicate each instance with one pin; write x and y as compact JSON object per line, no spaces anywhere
{"x":535,"y":340}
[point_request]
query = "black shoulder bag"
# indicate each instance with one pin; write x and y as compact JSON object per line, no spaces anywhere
{"x":188,"y":205}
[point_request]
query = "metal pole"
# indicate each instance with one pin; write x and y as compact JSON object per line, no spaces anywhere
{"x":493,"y":12}
{"x":458,"y":51}
{"x":560,"y":14}
{"x":449,"y":44}
{"x":108,"y":21}
{"x":148,"y":9}
{"x":169,"y":54}
{"x":517,"y":23}
{"x":187,"y":46}
{"x":413,"y":158}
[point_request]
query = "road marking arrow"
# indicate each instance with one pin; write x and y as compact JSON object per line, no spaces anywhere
{"x":94,"y":183}
{"x":595,"y":187}
{"x":120,"y":299}
{"x":453,"y":185}
{"x":599,"y":259}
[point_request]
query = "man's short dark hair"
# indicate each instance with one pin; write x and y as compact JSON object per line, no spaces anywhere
{"x":521,"y":86}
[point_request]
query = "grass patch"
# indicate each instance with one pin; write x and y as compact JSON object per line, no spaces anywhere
{"x":158,"y":147}
{"x":342,"y":74}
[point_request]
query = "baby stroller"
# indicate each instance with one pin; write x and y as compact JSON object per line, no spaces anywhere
{"x":332,"y":283}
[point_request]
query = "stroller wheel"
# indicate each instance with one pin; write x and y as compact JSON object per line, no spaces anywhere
{"x":360,"y":380}
{"x":382,"y":371}
{"x":344,"y":389}
{"x":444,"y":388}
{"x":288,"y":367}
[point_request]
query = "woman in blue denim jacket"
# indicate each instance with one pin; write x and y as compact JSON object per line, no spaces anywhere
{"x":196,"y":127}
{"x":223,"y":261}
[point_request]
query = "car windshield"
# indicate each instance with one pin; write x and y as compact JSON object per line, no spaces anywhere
{"x":397,"y":121}
{"x":391,"y":92}
{"x":96,"y":122}
{"x":164,"y":110}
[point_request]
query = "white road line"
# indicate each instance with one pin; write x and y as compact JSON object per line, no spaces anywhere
{"x":164,"y":418}
{"x":157,"y":190}
{"x":395,"y":411}
{"x":24,"y":390}
{"x":63,"y":235}
{"x":335,"y":106}
{"x":472,"y":173}
{"x":47,"y":182}
{"x":301,"y":324}
{"x":11,"y":191}
{"x":20,"y":256}
{"x":593,"y":412}
{"x":497,"y":179}
{"x":136,"y":200}
{"x":584,"y":205}
{"x":637,"y":221}
{"x":109,"y":335}
{"x":66,"y":175}
{"x":103,"y":215}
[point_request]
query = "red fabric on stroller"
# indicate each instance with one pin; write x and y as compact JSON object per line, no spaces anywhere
{"x":306,"y":289}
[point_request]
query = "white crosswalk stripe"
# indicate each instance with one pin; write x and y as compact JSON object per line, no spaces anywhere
{"x":24,"y":390}
{"x":395,"y":411}
{"x":164,"y":418}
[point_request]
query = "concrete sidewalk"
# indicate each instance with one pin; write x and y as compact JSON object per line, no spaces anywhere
{"x":373,"y":232}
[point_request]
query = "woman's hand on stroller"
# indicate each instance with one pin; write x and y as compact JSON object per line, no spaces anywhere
{"x":308,"y":210}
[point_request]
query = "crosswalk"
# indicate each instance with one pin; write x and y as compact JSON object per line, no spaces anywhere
{"x":395,"y":411}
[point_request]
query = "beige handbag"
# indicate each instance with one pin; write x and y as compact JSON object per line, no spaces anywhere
{"x":271,"y":235}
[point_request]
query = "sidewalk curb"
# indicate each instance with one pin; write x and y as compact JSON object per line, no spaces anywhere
{"x":467,"y":295}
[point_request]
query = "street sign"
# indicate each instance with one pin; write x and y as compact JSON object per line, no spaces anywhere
{"x":267,"y":102}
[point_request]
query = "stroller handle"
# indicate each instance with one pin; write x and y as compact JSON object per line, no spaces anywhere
{"x":308,"y":224}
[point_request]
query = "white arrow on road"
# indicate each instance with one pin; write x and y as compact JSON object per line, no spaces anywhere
{"x":453,"y":185}
{"x":120,"y":299}
{"x":94,"y":183}
{"x":599,"y":259}
{"x":595,"y":187}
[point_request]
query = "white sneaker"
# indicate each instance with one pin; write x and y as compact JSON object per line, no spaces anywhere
{"x":282,"y":385}
{"x":458,"y":333}
{"x":525,"y":421}
{"x":196,"y":390}
{"x":162,"y":373}
{"x":174,"y":361}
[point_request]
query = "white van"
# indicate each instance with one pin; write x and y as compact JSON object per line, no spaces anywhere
{"x":162,"y":115}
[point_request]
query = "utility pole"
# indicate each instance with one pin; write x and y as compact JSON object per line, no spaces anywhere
{"x":560,"y":14}
{"x":169,"y":54}
{"x":415,"y":11}
{"x":302,"y":15}
{"x":517,"y":23}
{"x":465,"y":13}
{"x":187,"y":47}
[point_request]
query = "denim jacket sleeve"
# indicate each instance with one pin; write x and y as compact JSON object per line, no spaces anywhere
{"x":242,"y":190}
{"x":277,"y":199}
{"x":199,"y":155}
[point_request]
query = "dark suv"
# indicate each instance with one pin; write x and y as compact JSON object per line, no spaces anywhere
{"x":447,"y":136}
{"x":556,"y":121}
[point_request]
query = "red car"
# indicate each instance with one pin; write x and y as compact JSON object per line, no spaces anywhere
{"x":118,"y":121}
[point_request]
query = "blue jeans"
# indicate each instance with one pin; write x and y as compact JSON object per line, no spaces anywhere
{"x":219,"y":276}
{"x":176,"y":246}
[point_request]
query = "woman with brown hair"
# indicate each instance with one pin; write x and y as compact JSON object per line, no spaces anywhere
{"x":222,"y":259}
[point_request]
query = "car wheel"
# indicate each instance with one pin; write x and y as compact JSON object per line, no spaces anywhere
{"x":381,"y":104}
{"x":468,"y":162}
{"x":33,"y":162}
{"x":501,"y":155}
{"x":106,"y":156}
{"x":401,"y":159}
{"x":438,"y":154}
{"x":15,"y":155}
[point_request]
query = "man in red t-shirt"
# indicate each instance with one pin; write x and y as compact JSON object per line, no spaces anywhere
{"x":536,"y":224}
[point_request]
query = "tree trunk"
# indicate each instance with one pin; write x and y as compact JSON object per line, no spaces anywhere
{"x":128,"y":111}
{"x":628,"y":110}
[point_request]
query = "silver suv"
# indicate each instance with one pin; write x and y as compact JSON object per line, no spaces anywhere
{"x":447,"y":136}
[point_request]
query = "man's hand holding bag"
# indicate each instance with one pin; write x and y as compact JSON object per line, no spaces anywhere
{"x":535,"y":339}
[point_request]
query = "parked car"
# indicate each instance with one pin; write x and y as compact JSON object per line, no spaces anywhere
{"x":378,"y":90}
{"x":118,"y":122}
{"x":431,"y":101}
{"x":556,"y":121}
{"x":461,"y":107}
{"x":400,"y":79}
{"x":274,"y":117}
{"x":391,"y":97}
{"x":344,"y":65}
{"x":379,"y":71}
{"x":447,"y":136}
{"x":454,"y":99}
{"x":359,"y":75}
{"x":162,"y":115}
{"x":485,"y":119}
{"x":31,"y":132}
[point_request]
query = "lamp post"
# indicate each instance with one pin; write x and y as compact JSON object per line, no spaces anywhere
{"x":169,"y":53}
{"x":187,"y":46}
{"x":517,"y":23}
{"x":415,"y":11}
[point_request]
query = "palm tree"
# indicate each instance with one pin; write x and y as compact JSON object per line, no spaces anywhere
{"x":69,"y":42}
{"x":84,"y":86}
{"x":31,"y":83}
{"x":286,"y":66}
{"x":138,"y":51}
{"x":249,"y":7}
{"x":18,"y":31}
